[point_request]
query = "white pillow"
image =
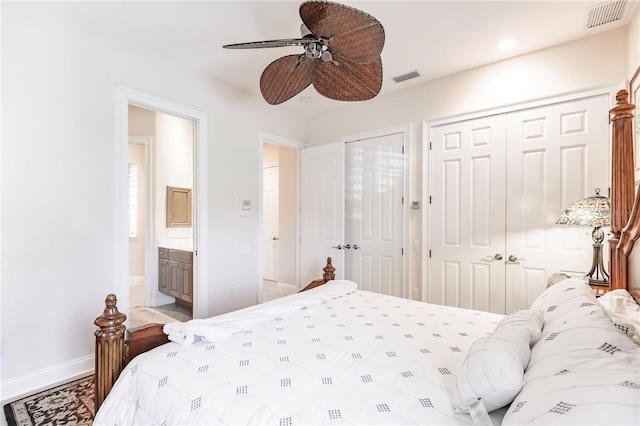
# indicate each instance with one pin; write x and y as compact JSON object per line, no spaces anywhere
{"x":492,"y":372}
{"x":623,"y":311}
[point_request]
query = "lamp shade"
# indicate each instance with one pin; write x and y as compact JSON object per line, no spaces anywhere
{"x":593,"y":211}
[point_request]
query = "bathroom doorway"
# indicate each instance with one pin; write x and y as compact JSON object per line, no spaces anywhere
{"x":161,"y":193}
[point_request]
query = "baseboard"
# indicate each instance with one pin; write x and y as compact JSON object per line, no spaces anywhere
{"x":45,"y":378}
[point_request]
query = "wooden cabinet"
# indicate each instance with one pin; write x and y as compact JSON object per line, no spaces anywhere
{"x":175,"y":274}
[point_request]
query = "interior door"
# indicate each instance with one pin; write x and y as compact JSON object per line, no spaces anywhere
{"x":322,"y":210}
{"x":468,"y":215}
{"x":556,"y":154}
{"x":374,"y":189}
{"x":270,"y":239}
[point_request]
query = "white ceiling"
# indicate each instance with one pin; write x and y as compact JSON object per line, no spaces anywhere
{"x":435,"y":38}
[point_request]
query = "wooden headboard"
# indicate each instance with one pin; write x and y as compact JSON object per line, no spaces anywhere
{"x":625,"y":208}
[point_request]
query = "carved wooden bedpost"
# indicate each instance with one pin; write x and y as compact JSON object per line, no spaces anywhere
{"x":329,"y":271}
{"x":109,"y":348}
{"x":622,"y":183}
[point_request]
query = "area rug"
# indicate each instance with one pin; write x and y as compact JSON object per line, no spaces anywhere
{"x":139,"y":315}
{"x":67,"y":404}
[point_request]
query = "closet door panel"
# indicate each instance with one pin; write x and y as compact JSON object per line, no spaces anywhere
{"x":467,"y":219}
{"x":556,"y":154}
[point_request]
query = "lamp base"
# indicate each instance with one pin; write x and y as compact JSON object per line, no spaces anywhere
{"x":598,"y":274}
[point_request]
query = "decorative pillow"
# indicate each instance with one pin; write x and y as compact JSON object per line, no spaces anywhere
{"x":582,"y":370}
{"x":623,"y":311}
{"x":492,"y":373}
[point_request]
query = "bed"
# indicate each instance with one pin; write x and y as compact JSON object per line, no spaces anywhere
{"x":336,"y":354}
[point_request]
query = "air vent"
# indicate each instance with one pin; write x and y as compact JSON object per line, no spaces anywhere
{"x":405,"y":77}
{"x":606,"y":13}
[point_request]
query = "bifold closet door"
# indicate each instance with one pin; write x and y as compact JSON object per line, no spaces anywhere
{"x":556,"y":154}
{"x":468,"y":214}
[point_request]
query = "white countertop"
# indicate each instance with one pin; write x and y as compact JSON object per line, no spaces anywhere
{"x":185,"y":244}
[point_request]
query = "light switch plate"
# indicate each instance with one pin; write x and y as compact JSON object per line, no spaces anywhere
{"x":245,"y":207}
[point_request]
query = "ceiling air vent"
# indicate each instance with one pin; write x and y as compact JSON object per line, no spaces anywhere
{"x":405,"y":77}
{"x":606,"y":12}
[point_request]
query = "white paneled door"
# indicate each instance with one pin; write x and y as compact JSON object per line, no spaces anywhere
{"x":374,"y":189}
{"x":322,"y":210}
{"x":555,"y":155}
{"x":467,"y":215}
{"x":498,"y":186}
{"x":270,"y":223}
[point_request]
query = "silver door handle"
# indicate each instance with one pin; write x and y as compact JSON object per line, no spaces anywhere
{"x":347,"y":246}
{"x":496,"y":256}
{"x":513,"y":258}
{"x":339,"y":247}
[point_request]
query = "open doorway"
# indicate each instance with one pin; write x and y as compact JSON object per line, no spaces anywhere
{"x":170,"y":176}
{"x":280,"y":223}
{"x":161,"y":175}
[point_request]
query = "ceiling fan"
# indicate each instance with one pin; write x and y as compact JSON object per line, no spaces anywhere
{"x":342,"y":47}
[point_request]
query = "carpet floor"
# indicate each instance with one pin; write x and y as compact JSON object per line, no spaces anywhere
{"x":68,"y":404}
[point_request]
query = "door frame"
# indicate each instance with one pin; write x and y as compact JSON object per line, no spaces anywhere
{"x":150,"y":263}
{"x":405,"y":130}
{"x":273,"y":139}
{"x":610,"y":90}
{"x":124,"y":98}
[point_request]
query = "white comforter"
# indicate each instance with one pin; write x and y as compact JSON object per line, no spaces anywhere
{"x":353,"y":357}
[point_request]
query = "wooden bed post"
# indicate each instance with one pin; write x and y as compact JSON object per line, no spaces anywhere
{"x":622,"y":184}
{"x":110,"y":338}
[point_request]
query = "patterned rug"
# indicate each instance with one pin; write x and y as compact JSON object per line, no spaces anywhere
{"x":67,"y":404}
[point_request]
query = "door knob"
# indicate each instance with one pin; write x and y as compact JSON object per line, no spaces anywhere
{"x":356,"y":247}
{"x":275,"y":238}
{"x":496,"y":256}
{"x":339,"y":247}
{"x":347,"y":246}
{"x":512,"y":258}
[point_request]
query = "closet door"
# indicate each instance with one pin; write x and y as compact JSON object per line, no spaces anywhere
{"x":374,"y":214}
{"x":322,"y":210}
{"x":556,"y":154}
{"x":468,"y":214}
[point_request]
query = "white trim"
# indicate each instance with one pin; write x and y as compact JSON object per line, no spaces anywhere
{"x":266,"y":137}
{"x":610,"y":90}
{"x":405,"y":129}
{"x":518,"y":106}
{"x":42,"y":379}
{"x":124,"y":98}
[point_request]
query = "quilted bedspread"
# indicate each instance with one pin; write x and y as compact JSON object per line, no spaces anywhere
{"x":360,"y":358}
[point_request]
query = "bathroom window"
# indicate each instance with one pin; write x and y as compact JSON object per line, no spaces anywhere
{"x":133,"y":200}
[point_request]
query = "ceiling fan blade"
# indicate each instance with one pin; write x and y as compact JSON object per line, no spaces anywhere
{"x":286,"y":77}
{"x":272,"y":43}
{"x":348,"y":81}
{"x":350,"y":33}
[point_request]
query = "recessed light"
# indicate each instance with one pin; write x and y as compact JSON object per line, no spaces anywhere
{"x":305,"y":99}
{"x":507,"y":44}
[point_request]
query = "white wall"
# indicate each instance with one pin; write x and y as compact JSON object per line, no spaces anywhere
{"x":58,"y":182}
{"x":633,"y":40}
{"x":174,"y":167}
{"x":596,"y":61}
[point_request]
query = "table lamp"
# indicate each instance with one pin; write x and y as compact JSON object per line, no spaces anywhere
{"x":593,"y":211}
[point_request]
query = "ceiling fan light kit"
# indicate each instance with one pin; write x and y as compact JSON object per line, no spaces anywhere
{"x":342,"y":47}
